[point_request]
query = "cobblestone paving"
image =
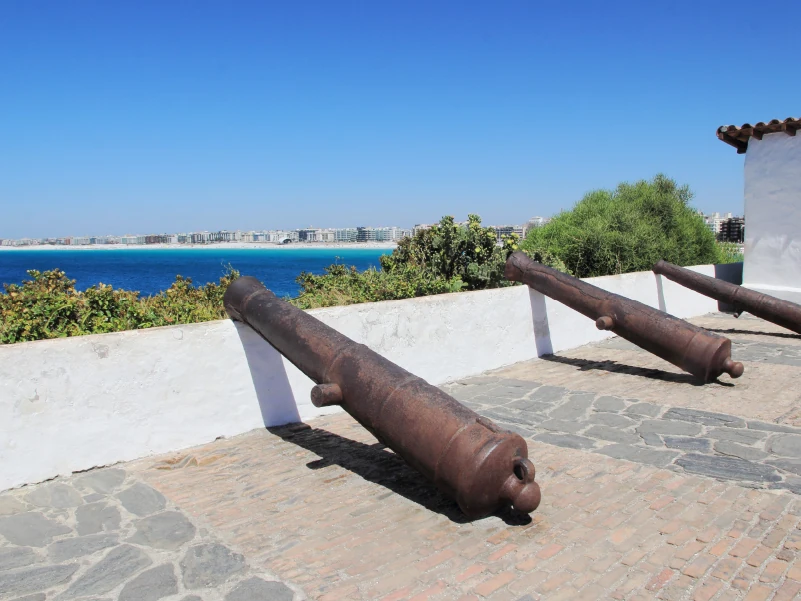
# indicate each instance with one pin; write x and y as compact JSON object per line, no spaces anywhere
{"x":654,"y":487}
{"x":333,"y":511}
{"x":767,"y":392}
{"x":758,"y":454}
{"x":105,"y":535}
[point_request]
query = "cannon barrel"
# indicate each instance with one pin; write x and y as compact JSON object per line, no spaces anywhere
{"x":689,"y":347}
{"x":769,"y":308}
{"x":468,"y":457}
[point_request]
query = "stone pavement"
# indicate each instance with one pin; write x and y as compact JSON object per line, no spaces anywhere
{"x":106,"y":535}
{"x":654,"y":487}
{"x":759,"y":454}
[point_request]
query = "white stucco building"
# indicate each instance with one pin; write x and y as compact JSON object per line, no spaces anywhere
{"x":772,"y":205}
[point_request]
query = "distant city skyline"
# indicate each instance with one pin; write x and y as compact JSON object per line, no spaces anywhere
{"x":308,"y":234}
{"x":190,"y":116}
{"x":716,"y":222}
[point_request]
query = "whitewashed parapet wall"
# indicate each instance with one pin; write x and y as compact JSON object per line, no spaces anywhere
{"x":75,"y":403}
{"x":773,"y":216}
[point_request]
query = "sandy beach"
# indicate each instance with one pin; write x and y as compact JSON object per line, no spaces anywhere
{"x":215,"y":246}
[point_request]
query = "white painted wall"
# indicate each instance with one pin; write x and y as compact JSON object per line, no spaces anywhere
{"x":773,"y":216}
{"x":74,"y":403}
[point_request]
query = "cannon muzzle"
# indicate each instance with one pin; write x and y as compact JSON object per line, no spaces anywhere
{"x":689,"y":347}
{"x":769,"y":308}
{"x":468,"y":457}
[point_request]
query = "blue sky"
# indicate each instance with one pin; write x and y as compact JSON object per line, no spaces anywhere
{"x":139,"y":117}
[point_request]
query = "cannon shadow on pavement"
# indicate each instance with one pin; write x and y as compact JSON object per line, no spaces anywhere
{"x":273,"y":391}
{"x":377,"y":464}
{"x":622,"y":368}
{"x":754,"y":333}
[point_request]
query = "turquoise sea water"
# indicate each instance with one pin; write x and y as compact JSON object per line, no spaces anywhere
{"x":152,"y":270}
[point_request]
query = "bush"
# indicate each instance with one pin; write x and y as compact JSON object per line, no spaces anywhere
{"x":468,"y":254}
{"x":49,"y":306}
{"x":341,"y":285}
{"x":607,"y":232}
{"x":448,"y":257}
{"x":628,"y":229}
{"x":730,"y":252}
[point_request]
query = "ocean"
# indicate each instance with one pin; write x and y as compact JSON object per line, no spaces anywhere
{"x":151,"y":270}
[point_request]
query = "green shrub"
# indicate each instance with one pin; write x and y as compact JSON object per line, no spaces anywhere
{"x":341,"y":285}
{"x":448,"y":257}
{"x":607,"y":232}
{"x":730,"y":253}
{"x":627,"y":229}
{"x":49,"y":306}
{"x":469,"y":254}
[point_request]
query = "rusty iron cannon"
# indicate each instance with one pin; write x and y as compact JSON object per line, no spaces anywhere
{"x":468,"y":457}
{"x":701,"y":353}
{"x":769,"y":308}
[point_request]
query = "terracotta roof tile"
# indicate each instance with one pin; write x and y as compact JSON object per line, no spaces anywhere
{"x":738,"y":136}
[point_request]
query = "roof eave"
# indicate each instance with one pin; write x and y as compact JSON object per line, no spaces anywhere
{"x":739,"y":136}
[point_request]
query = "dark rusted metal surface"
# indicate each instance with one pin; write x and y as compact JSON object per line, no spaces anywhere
{"x":780,"y":312}
{"x":689,"y":347}
{"x":467,"y":456}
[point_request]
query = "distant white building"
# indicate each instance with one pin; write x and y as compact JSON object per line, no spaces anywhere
{"x":282,"y":236}
{"x":772,"y":205}
{"x":20,"y":242}
{"x":502,"y":231}
{"x":200,"y":237}
{"x":715,"y":220}
{"x":534,"y":222}
{"x":225,"y":236}
{"x":326,"y":235}
{"x":365,"y":234}
{"x":345,"y":234}
{"x":308,"y":235}
{"x":388,"y":234}
{"x":98,"y":240}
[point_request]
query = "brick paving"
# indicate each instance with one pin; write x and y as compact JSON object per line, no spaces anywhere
{"x":654,"y":487}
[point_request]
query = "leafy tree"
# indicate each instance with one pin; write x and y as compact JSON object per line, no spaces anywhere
{"x":627,"y":229}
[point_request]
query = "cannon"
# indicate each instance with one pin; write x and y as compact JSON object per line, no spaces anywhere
{"x":468,"y":457}
{"x":701,"y":353}
{"x":775,"y":310}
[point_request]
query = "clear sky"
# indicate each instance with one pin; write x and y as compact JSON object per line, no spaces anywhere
{"x":163,"y":116}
